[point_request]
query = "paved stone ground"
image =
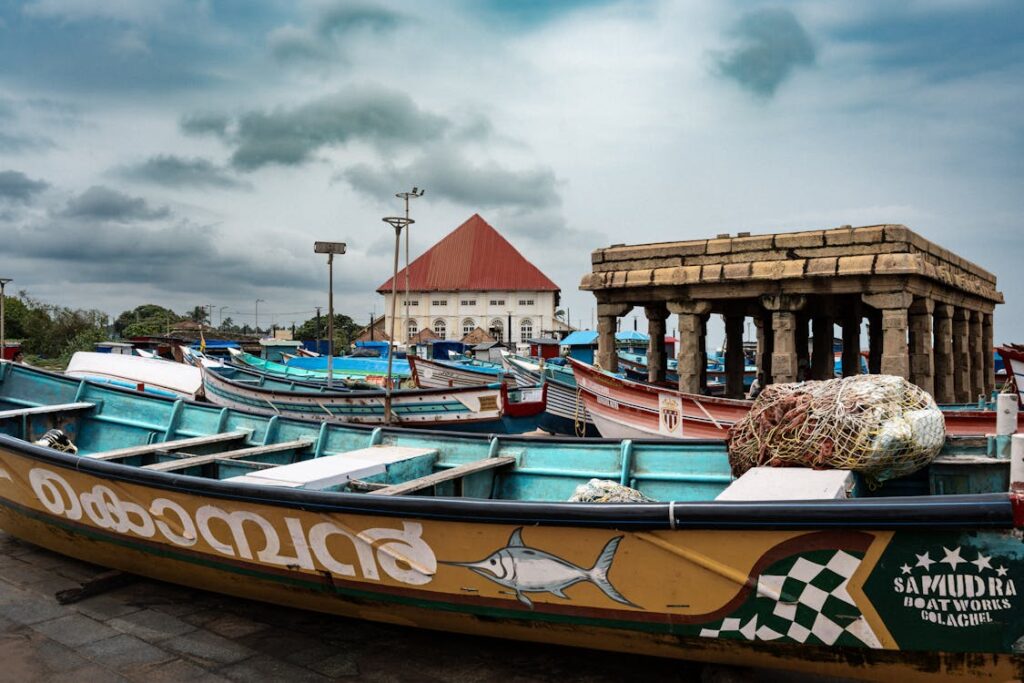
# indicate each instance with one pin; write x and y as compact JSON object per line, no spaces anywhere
{"x":154,"y":632}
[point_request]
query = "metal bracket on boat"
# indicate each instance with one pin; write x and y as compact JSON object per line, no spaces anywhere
{"x":376,"y":436}
{"x":492,"y":452}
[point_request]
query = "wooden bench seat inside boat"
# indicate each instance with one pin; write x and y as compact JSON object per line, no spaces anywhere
{"x":432,"y":480}
{"x":335,"y":470}
{"x":183,"y":463}
{"x":146,"y":449}
{"x":790,"y":483}
{"x":45,"y":410}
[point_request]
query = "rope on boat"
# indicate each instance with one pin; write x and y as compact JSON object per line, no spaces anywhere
{"x":579,"y":423}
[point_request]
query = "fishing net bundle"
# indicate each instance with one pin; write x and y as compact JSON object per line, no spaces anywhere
{"x":607,"y":491}
{"x":879,"y":425}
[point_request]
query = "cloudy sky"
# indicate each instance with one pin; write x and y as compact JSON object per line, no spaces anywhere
{"x":189,"y":152}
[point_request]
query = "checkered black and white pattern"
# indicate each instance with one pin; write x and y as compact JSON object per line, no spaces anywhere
{"x":804,"y":601}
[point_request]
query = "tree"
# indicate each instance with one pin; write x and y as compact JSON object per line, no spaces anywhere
{"x":345,"y":330}
{"x":199,"y":314}
{"x":145,"y":320}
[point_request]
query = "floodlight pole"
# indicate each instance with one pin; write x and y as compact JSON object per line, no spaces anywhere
{"x":396,"y":222}
{"x":416,"y":192}
{"x":256,"y":322}
{"x":329,"y":248}
{"x":3,"y":332}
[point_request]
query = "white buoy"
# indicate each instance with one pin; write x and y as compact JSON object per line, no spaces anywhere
{"x":1006,"y":414}
{"x":1016,"y":461}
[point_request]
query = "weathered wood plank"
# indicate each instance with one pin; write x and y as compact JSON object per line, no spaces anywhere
{"x":131,"y":451}
{"x":45,"y":410}
{"x":184,"y":463}
{"x":446,"y":475}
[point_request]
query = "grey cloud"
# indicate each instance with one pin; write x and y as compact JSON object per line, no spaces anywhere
{"x":174,"y":171}
{"x":14,"y":143}
{"x":15,"y":186}
{"x":181,"y":257}
{"x":100,"y":203}
{"x":205,"y":124}
{"x":322,"y":39}
{"x":385,"y":118}
{"x":772,"y":43}
{"x":450,"y":176}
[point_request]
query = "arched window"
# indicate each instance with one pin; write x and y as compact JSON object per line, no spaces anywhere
{"x":468,"y":325}
{"x":412,"y":329}
{"x":440,"y":328}
{"x":525,"y":329}
{"x":497,"y":329}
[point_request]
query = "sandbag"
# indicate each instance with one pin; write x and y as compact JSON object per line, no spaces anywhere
{"x":879,"y":425}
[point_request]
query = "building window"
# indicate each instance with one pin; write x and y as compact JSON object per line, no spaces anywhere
{"x":497,"y":329}
{"x":413,"y":328}
{"x":497,"y":302}
{"x":525,"y":329}
{"x":439,"y":302}
{"x":468,"y":325}
{"x":468,"y":302}
{"x":526,"y":302}
{"x":412,"y":303}
{"x":440,"y":328}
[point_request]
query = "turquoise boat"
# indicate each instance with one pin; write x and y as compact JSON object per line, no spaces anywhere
{"x":354,"y":365}
{"x":365,"y":373}
{"x":474,"y":534}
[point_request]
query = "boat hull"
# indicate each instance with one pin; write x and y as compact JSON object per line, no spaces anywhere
{"x":565,"y":412}
{"x":428,"y":374}
{"x":731,"y":594}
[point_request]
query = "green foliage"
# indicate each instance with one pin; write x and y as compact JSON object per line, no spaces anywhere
{"x":85,"y":340}
{"x":145,"y":320}
{"x":345,"y":330}
{"x":50,"y":331}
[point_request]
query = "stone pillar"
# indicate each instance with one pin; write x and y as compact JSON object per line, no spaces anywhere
{"x":922,"y":363}
{"x":823,"y":357}
{"x":988,"y":344}
{"x":875,"y":342}
{"x":607,"y":319}
{"x":766,"y":338}
{"x":851,"y":341}
{"x":977,"y":357}
{"x":703,"y":344}
{"x":961,"y":356}
{"x":803,"y":352}
{"x":734,"y":361}
{"x":784,"y":344}
{"x":893,"y":305}
{"x":657,"y":362}
{"x":943,"y":351}
{"x":691,"y":337}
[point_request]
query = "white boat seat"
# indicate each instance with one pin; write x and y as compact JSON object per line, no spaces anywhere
{"x":789,"y":483}
{"x":45,"y":410}
{"x":334,"y":470}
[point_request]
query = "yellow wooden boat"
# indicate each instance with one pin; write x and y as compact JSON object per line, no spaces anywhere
{"x":470,"y":534}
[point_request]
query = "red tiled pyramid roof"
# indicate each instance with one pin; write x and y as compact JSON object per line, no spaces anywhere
{"x":473,"y":257}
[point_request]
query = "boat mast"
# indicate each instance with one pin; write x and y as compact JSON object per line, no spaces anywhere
{"x":396,"y":222}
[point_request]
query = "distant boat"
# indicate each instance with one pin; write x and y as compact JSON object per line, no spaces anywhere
{"x":565,"y":412}
{"x":306,"y":375}
{"x":486,"y":408}
{"x":153,"y":375}
{"x":1013,"y":359}
{"x":432,"y":374}
{"x":623,"y":409}
{"x":474,"y":534}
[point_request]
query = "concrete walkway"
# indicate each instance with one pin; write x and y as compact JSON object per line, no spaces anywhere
{"x":150,"y":631}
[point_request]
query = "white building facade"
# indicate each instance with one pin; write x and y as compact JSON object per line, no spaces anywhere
{"x":454,"y":314}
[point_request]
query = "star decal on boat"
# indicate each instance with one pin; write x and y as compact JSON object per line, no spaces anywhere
{"x":952,"y":557}
{"x":924,"y":561}
{"x":906,"y":569}
{"x":1001,"y":571}
{"x":983,"y":562}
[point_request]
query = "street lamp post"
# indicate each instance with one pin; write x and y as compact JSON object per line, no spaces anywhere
{"x":416,"y":192}
{"x":222,"y":315}
{"x":3,"y":332}
{"x":396,"y":222}
{"x":256,"y":323}
{"x":329,"y":248}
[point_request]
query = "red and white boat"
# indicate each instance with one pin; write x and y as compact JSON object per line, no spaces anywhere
{"x":624,"y":409}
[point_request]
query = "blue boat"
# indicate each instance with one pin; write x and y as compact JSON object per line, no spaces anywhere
{"x":564,"y":412}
